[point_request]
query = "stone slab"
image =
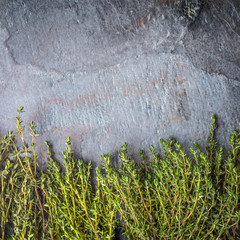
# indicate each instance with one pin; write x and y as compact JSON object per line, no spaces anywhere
{"x":109,"y":71}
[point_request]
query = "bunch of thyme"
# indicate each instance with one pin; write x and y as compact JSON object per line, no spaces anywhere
{"x":174,"y":196}
{"x":75,"y":211}
{"x":21,"y":199}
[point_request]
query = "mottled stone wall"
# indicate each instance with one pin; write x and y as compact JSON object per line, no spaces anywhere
{"x":110,"y":71}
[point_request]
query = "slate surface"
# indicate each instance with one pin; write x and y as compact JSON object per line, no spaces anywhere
{"x":110,"y":71}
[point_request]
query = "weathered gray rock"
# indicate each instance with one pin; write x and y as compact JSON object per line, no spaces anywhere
{"x":110,"y":71}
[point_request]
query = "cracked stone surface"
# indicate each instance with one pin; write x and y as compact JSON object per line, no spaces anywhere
{"x":109,"y":71}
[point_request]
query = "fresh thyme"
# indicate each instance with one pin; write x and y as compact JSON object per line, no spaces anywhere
{"x":174,"y":196}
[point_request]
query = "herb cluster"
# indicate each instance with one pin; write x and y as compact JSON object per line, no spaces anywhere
{"x":174,"y":196}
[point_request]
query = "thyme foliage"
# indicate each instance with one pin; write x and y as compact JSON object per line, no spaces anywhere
{"x":174,"y":196}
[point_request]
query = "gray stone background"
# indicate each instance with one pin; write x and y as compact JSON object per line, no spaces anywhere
{"x":109,"y":71}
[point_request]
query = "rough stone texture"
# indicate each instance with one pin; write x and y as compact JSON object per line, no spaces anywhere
{"x":110,"y":71}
